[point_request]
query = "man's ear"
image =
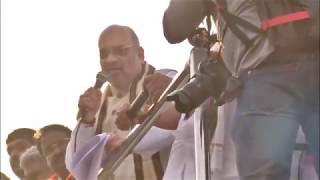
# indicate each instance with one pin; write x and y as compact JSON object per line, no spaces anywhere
{"x":141,"y":53}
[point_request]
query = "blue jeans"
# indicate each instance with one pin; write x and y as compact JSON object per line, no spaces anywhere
{"x":275,"y":100}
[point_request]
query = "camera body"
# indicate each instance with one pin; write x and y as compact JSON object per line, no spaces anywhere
{"x":209,"y":79}
{"x":208,"y":76}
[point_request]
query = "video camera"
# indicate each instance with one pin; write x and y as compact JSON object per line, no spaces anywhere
{"x":211,"y":77}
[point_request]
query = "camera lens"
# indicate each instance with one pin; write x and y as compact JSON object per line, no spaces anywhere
{"x":192,"y":94}
{"x":210,"y":81}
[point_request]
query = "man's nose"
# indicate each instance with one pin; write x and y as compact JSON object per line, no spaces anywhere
{"x":58,"y":148}
{"x":55,"y":148}
{"x":109,"y":59}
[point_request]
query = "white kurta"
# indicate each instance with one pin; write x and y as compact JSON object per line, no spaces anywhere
{"x":155,"y":140}
{"x":126,"y":170}
{"x":181,"y":165}
{"x":223,"y":157}
{"x":181,"y":161}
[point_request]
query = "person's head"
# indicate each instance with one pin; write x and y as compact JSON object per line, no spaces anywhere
{"x":121,"y":56}
{"x":33,"y":165}
{"x":17,"y":142}
{"x":52,"y":142}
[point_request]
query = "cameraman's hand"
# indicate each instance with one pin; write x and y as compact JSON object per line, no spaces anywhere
{"x":89,"y":103}
{"x":155,"y":84}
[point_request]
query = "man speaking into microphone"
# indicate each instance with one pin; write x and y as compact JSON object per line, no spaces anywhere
{"x":122,"y":63}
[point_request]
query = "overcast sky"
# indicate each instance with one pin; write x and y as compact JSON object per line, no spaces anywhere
{"x":49,"y":55}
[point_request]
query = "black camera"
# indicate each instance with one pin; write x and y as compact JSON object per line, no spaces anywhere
{"x":209,"y":76}
{"x":210,"y":80}
{"x":200,"y":37}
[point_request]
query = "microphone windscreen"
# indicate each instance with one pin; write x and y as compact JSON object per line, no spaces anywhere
{"x":101,"y":78}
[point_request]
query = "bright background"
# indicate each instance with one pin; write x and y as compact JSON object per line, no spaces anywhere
{"x":49,"y":55}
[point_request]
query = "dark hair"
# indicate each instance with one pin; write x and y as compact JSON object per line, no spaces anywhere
{"x":55,"y":127}
{"x":49,"y":128}
{"x":21,"y":133}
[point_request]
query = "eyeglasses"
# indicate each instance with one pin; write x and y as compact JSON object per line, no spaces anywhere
{"x":116,"y":51}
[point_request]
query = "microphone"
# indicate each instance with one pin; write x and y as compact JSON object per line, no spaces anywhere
{"x":101,"y":78}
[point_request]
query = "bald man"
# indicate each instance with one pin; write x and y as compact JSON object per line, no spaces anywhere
{"x":122,"y":60}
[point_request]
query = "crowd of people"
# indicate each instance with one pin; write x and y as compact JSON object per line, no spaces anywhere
{"x":269,"y":131}
{"x":39,"y":155}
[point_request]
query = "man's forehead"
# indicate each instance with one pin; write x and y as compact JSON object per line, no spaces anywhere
{"x":115,"y":37}
{"x":52,"y":136}
{"x":16,"y":144}
{"x":18,"y":141}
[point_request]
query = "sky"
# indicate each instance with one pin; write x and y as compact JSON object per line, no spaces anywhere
{"x":49,"y":55}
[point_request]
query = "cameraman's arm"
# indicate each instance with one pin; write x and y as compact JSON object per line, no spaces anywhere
{"x":181,"y":18}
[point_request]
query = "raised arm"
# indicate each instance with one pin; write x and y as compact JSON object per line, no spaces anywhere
{"x":181,"y":18}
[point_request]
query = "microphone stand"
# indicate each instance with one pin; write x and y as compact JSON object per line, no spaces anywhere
{"x":115,"y":159}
